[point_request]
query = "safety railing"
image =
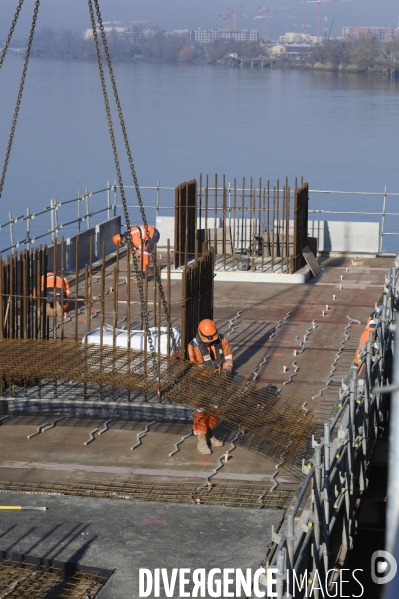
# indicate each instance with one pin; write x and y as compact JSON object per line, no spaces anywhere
{"x":72,"y":216}
{"x":319,"y":529}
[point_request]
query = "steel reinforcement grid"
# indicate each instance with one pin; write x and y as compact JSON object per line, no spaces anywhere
{"x":323,"y":516}
{"x":23,"y":576}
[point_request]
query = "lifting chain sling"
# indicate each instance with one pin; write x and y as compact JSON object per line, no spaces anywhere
{"x":135,"y":180}
{"x":10,"y":34}
{"x":131,"y":248}
{"x":21,"y":85}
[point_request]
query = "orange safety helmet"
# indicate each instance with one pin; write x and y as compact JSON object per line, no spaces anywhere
{"x":207,"y":331}
{"x":117,"y":240}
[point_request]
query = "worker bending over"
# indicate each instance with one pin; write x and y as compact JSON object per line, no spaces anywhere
{"x":211,"y":350}
{"x":57,"y":292}
{"x":142,"y":242}
{"x":368,"y":334}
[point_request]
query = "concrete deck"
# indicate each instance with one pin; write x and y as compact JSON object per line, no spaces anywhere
{"x":117,"y":536}
{"x":127,"y":536}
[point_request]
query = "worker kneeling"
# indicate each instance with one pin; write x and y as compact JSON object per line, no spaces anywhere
{"x":57,"y":291}
{"x":143,"y":242}
{"x":209,"y":349}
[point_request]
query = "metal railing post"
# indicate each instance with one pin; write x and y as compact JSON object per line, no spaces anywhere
{"x":28,"y":227}
{"x":108,"y":201}
{"x":281,"y":573}
{"x":115,"y":198}
{"x":392,"y":517}
{"x":55,"y":204}
{"x":11,"y":232}
{"x":87,"y":208}
{"x":158,"y":200}
{"x":79,"y":219}
{"x":384,"y":204}
{"x":326,"y":492}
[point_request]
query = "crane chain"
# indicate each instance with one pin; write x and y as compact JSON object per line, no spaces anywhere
{"x":11,"y":32}
{"x":135,"y":180}
{"x":20,"y":91}
{"x":131,"y":248}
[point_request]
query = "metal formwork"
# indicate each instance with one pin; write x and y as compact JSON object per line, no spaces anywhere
{"x":251,"y":226}
{"x":315,"y":544}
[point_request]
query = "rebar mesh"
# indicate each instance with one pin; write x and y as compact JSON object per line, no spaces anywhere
{"x":280,"y":422}
{"x":27,"y":580}
{"x":227,"y":494}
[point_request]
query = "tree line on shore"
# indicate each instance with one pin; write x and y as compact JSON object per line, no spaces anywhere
{"x":363,"y":55}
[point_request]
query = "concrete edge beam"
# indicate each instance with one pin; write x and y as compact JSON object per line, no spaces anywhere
{"x":129,"y":411}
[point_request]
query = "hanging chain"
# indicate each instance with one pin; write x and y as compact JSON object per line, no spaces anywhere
{"x":10,"y":34}
{"x":135,"y":180}
{"x":131,"y":248}
{"x":21,"y":89}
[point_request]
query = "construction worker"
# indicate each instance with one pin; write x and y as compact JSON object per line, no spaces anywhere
{"x":210,"y":350}
{"x":142,"y":241}
{"x":57,"y":289}
{"x":365,"y":336}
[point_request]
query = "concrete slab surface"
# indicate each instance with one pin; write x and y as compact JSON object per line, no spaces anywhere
{"x":126,"y":536}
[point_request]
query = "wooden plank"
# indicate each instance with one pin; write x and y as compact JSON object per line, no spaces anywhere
{"x":311,"y":261}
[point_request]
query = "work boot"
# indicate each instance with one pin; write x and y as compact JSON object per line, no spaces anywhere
{"x":215,"y":442}
{"x":202,"y":445}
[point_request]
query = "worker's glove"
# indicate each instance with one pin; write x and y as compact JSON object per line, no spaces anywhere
{"x":125,"y":237}
{"x":225,"y":372}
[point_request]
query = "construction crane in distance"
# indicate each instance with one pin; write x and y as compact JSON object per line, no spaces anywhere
{"x":266,"y":24}
{"x":265,"y":18}
{"x":318,"y":7}
{"x":226,"y":19}
{"x":302,"y":26}
{"x":234,"y":15}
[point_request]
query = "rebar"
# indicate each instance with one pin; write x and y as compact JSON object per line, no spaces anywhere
{"x":22,"y":578}
{"x":228,"y":494}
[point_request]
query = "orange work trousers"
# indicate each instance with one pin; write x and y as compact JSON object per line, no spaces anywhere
{"x":203,"y":421}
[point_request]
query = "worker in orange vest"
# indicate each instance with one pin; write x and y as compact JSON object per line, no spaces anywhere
{"x":211,"y":350}
{"x":142,"y":241}
{"x":365,"y":336}
{"x":57,"y":289}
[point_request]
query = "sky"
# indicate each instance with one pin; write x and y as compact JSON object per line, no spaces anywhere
{"x":190,"y":14}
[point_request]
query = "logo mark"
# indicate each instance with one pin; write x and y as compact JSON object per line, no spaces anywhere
{"x":383,"y":570}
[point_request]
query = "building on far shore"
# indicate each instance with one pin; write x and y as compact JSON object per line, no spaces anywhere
{"x":297,"y":38}
{"x":207,"y":36}
{"x":382,"y":34}
{"x":132,"y":34}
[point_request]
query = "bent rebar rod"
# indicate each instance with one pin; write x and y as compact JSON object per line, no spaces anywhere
{"x":275,"y":483}
{"x":353,"y":320}
{"x":106,"y":427}
{"x":287,"y":315}
{"x":38,"y":430}
{"x":179,"y":442}
{"x":220,"y":463}
{"x":289,"y":380}
{"x":282,"y":460}
{"x":142,"y":434}
{"x":2,"y":419}
{"x":264,"y":361}
{"x":52,"y":425}
{"x":91,"y":438}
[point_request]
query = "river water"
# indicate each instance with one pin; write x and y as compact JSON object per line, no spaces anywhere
{"x":338,"y":131}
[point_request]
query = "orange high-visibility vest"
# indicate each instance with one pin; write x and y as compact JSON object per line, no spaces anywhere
{"x":365,"y":336}
{"x":58,"y":286}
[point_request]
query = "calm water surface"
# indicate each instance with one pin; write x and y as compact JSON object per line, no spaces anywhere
{"x":339,"y":131}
